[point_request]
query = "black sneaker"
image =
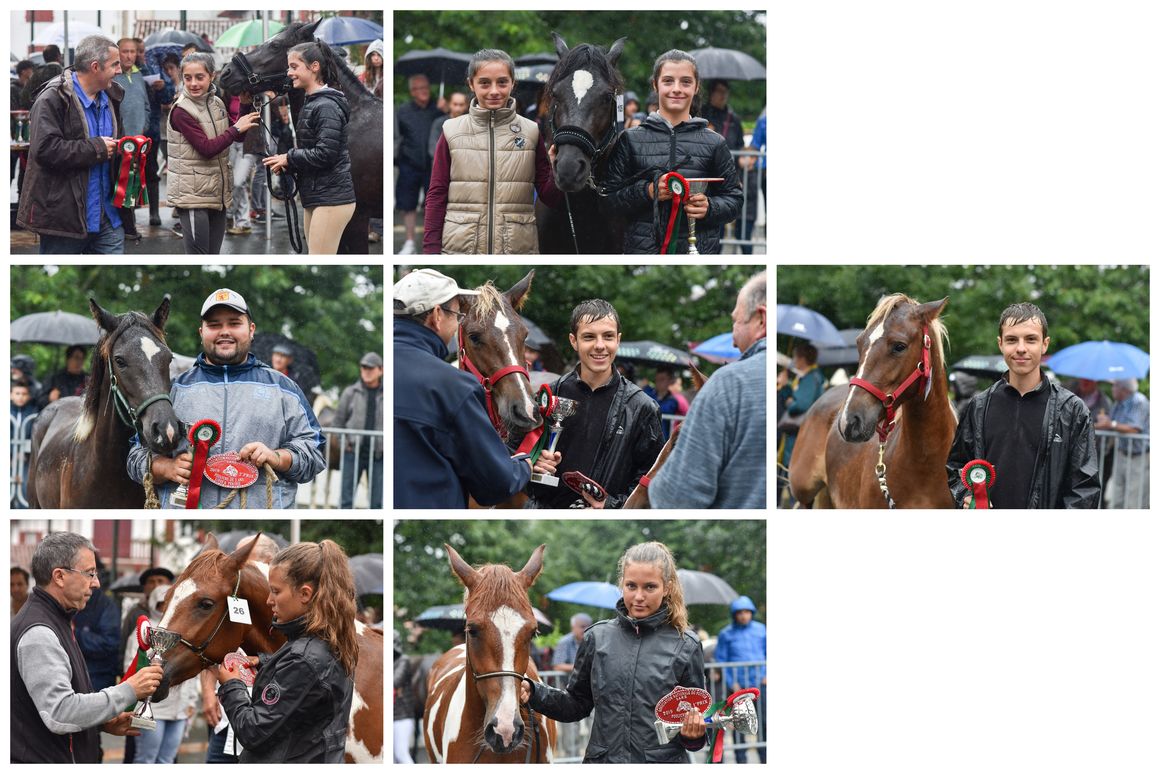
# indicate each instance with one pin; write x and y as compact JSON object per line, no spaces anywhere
{"x":177,"y":228}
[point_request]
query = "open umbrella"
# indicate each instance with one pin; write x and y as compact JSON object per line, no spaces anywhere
{"x":803,"y":323}
{"x":247,"y":33}
{"x":536,"y":339}
{"x":534,"y":74}
{"x":450,"y":618}
{"x":727,"y":63}
{"x":345,"y":30}
{"x":844,"y":355}
{"x":718,"y":349}
{"x":652,"y":353}
{"x":1102,"y":361}
{"x":591,"y":593}
{"x":539,"y":58}
{"x":54,"y":328}
{"x":228,"y":541}
{"x":438,"y":64}
{"x":986,"y":366}
{"x":368,"y":573}
{"x":53,"y":34}
{"x":129,"y":583}
{"x":704,"y":588}
{"x":175,"y":37}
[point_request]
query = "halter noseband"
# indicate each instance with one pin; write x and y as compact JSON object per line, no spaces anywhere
{"x":920,"y":374}
{"x":129,"y":415}
{"x":199,"y":650}
{"x":570,"y":134}
{"x":489,"y":382}
{"x":278,"y":82}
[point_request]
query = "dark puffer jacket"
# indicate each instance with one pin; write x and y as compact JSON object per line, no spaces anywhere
{"x":1067,"y":471}
{"x":321,"y":162}
{"x":623,"y":668}
{"x":646,"y":152}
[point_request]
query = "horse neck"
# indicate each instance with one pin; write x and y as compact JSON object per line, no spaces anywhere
{"x":929,"y":419}
{"x":352,"y":88}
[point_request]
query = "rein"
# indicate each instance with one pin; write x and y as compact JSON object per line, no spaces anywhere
{"x":532,"y":723}
{"x":489,"y":383}
{"x":920,"y":375}
{"x":199,"y":650}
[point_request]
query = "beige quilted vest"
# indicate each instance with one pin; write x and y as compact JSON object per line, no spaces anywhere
{"x":196,"y":182}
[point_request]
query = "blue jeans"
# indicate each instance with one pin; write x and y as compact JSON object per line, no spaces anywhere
{"x":107,"y":241}
{"x":352,"y":470}
{"x":160,"y":745}
{"x":215,"y":753}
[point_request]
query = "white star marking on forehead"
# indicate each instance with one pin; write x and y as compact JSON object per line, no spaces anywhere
{"x":581,"y":83}
{"x":184,"y":589}
{"x":149,"y":347}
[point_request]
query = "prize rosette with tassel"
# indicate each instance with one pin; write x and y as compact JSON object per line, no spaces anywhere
{"x":535,"y":441}
{"x":130,"y":189}
{"x":978,"y":476}
{"x":142,"y":659}
{"x":203,"y":435}
{"x":679,"y":187}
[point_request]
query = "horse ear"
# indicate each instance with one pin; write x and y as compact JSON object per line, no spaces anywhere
{"x":466,"y":573}
{"x":161,"y":316}
{"x":308,"y":29}
{"x":615,"y":51}
{"x":210,"y":542}
{"x":532,"y":569}
{"x":242,"y":555}
{"x":933,"y":309}
{"x":106,"y":319}
{"x":518,"y":293}
{"x":561,"y":46}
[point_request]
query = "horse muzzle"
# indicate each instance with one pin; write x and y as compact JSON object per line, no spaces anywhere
{"x":858,"y":425}
{"x":504,"y":740}
{"x":573,"y":168}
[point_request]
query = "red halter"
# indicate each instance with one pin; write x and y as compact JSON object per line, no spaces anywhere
{"x":488,"y":383}
{"x":919,"y":375}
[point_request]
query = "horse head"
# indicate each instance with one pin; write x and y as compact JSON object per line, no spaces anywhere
{"x":268,"y":59}
{"x":900,"y":353}
{"x":582,"y":114}
{"x":196,"y":610}
{"x":130,"y":370}
{"x":499,"y":629}
{"x":492,"y":338}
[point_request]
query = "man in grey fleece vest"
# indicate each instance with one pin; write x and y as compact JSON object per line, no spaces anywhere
{"x":719,"y":458}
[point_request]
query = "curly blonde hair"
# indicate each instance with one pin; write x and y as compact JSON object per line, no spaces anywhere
{"x":659,"y":555}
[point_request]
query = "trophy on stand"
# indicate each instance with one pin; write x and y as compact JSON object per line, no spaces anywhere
{"x":160,"y":642}
{"x":560,"y":409}
{"x":698,"y":185}
{"x":737,"y":712}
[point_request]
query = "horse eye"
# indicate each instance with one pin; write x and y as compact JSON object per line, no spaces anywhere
{"x":475,"y":339}
{"x":120,"y":361}
{"x":900,"y":347}
{"x":205,"y":604}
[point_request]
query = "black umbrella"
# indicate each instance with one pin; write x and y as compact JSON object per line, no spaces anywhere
{"x":438,"y":64}
{"x":55,"y":328}
{"x":539,"y":58}
{"x":537,"y":339}
{"x":450,"y":618}
{"x":728,"y":64}
{"x":174,"y":37}
{"x":534,"y":74}
{"x":228,"y":541}
{"x":653,"y":353}
{"x":129,"y":583}
{"x":703,"y":588}
{"x":305,"y":370}
{"x":987,"y":366}
{"x":368,"y":573}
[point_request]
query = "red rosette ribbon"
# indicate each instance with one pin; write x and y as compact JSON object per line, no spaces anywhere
{"x":130,"y":189}
{"x":534,"y":441}
{"x":204,"y":434}
{"x":978,"y":476}
{"x":679,"y":187}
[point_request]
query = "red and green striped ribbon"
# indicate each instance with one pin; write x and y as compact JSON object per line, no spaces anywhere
{"x":679,"y":187}
{"x":130,"y":190}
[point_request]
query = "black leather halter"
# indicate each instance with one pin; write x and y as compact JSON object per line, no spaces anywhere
{"x":278,"y":82}
{"x":570,"y":134}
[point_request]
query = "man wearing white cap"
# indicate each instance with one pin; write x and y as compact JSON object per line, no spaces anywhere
{"x":263,"y":415}
{"x":445,"y":446}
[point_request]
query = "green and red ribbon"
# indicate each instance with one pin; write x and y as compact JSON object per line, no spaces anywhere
{"x":202,"y":436}
{"x":142,"y":660}
{"x":679,"y":187}
{"x":535,"y":441}
{"x":978,"y":476}
{"x":130,"y":190}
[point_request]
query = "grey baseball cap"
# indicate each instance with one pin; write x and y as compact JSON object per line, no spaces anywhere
{"x":225,"y":297}
{"x":371,"y":360}
{"x":425,"y":289}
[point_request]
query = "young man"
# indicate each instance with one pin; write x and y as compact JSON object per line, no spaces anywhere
{"x":615,"y":435}
{"x":1037,"y":435}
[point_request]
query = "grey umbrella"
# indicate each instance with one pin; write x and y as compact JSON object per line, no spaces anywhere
{"x":728,"y":64}
{"x":55,"y":328}
{"x":450,"y":618}
{"x":986,"y":366}
{"x":537,"y":339}
{"x":228,"y":541}
{"x":703,"y":588}
{"x":653,"y":353}
{"x":368,"y":573}
{"x":175,"y":37}
{"x":847,"y":355}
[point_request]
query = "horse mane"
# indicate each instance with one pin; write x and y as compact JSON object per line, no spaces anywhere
{"x":99,"y":369}
{"x":887,"y":304}
{"x":489,"y":299}
{"x":497,"y":585}
{"x":586,"y":56}
{"x":213,"y":559}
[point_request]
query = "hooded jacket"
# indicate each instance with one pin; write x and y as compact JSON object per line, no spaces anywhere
{"x":299,"y":709}
{"x":623,"y":668}
{"x":321,"y":162}
{"x":742,"y":643}
{"x":646,"y":152}
{"x":1067,"y":470}
{"x":251,"y":402}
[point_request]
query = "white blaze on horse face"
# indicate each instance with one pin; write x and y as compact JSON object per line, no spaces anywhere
{"x":149,"y":347}
{"x":184,"y":590}
{"x":509,"y":624}
{"x":874,"y":336}
{"x":581,"y":83}
{"x":502,"y":323}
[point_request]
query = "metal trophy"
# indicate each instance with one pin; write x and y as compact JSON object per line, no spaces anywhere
{"x":161,"y":642}
{"x":739,"y":712}
{"x":561,"y":409}
{"x":698,"y":185}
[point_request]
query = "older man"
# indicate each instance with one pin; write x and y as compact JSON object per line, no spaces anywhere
{"x":719,"y":457}
{"x":55,"y":714}
{"x":412,"y":129}
{"x":75,"y":123}
{"x":1129,"y":486}
{"x":564,"y":656}
{"x":361,"y":408}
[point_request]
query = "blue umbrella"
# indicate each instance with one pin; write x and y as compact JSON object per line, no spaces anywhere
{"x":802,"y":323}
{"x":1102,"y":361}
{"x":344,"y":30}
{"x":593,"y":593}
{"x":718,"y":349}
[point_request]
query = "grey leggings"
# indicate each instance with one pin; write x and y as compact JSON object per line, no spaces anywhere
{"x":203,"y":230}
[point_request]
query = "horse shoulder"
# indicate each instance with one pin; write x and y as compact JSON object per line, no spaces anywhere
{"x":446,"y":697}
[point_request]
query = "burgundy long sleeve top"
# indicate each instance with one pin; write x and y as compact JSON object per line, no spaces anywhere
{"x":206,"y":146}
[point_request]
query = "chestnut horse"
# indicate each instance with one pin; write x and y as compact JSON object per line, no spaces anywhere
{"x":473,"y":714}
{"x":196,"y":610}
{"x":899,"y":394}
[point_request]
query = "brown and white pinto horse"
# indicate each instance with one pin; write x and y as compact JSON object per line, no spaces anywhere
{"x":899,"y":399}
{"x":473,"y":712}
{"x":196,"y":610}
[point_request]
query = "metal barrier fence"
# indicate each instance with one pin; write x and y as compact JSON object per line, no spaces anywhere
{"x":20,"y":446}
{"x":1123,"y":473}
{"x":734,"y":232}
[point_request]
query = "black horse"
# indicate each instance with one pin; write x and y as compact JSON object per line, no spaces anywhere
{"x":585,"y":125}
{"x":364,"y":132}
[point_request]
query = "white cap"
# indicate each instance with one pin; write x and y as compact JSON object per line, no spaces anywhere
{"x":425,"y":289}
{"x":225,"y":297}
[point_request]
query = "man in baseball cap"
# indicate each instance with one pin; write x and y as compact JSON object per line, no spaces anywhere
{"x":225,"y":297}
{"x":425,"y":289}
{"x":361,"y":408}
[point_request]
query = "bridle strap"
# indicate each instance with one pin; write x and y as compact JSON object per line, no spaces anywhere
{"x":889,"y":400}
{"x":489,"y":382}
{"x":199,"y":650}
{"x":125,"y":412}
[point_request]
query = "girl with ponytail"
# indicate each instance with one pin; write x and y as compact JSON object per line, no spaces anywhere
{"x":299,"y":707}
{"x":626,"y":664}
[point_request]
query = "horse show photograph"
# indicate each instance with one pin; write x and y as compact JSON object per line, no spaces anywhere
{"x":201,"y":614}
{"x":539,"y":131}
{"x":975,"y":386}
{"x":196,"y":386}
{"x":607,"y":631}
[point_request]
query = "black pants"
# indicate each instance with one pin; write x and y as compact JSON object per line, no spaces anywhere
{"x":203,"y":230}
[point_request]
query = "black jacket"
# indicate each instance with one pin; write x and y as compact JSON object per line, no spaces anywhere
{"x":1067,"y":471}
{"x":623,"y":668}
{"x":646,"y":152}
{"x":321,"y":162}
{"x":300,"y":708}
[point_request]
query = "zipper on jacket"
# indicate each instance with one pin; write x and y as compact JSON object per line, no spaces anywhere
{"x":491,"y":183}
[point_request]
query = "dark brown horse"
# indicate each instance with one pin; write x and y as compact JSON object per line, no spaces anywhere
{"x":364,"y":131}
{"x":898,"y":399}
{"x":473,"y":712}
{"x":80,"y":445}
{"x":196,"y":610}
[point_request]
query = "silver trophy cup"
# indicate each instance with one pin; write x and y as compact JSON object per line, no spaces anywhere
{"x":161,"y":642}
{"x":565,"y":407}
{"x":743,"y":718}
{"x":698,"y":185}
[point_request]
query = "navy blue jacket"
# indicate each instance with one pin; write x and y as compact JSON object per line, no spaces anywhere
{"x":445,"y":446}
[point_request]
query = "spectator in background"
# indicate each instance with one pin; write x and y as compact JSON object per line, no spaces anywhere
{"x":631,"y":108}
{"x":532,"y":358}
{"x":1130,"y":471}
{"x":743,"y":640}
{"x":457,"y":106}
{"x":134,"y":114}
{"x":23,"y":369}
{"x":666,"y":376}
{"x":963,"y":388}
{"x":404,"y":703}
{"x":757,"y":142}
{"x":799,"y":394}
{"x":1098,"y":403}
{"x":24,"y":70}
{"x":372,"y":74}
{"x":361,"y":408}
{"x":98,"y":631}
{"x":69,"y":381}
{"x":149,"y":580}
{"x":18,"y":588}
{"x":566,"y":649}
{"x":412,"y":129}
{"x":728,"y":125}
{"x":42,"y":75}
{"x":21,"y":414}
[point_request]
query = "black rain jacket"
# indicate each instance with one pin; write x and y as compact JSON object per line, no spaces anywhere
{"x":321,"y":162}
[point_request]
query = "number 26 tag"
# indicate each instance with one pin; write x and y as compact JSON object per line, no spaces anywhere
{"x":239,"y":610}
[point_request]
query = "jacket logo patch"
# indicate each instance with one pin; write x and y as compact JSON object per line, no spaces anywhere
{"x":516,"y":128}
{"x":264,"y":392}
{"x":519,"y":141}
{"x":271,"y":694}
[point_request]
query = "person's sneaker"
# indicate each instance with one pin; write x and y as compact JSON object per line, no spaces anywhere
{"x":237,"y":230}
{"x":408,"y":248}
{"x":177,"y":229}
{"x":277,"y":215}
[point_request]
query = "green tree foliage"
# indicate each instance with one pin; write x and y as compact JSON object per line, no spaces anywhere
{"x":356,"y":536}
{"x":576,"y":550}
{"x":336,"y":311}
{"x":650,"y":33}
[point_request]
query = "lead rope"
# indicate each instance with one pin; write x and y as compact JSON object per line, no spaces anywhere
{"x":152,"y":503}
{"x":287,"y":187}
{"x":880,"y":471}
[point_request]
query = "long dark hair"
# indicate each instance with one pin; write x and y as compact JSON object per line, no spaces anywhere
{"x":319,"y":51}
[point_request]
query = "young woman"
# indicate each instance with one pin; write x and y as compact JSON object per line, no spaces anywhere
{"x":321,"y":162}
{"x":627,"y":664}
{"x":199,"y":136}
{"x":671,"y":140}
{"x":300,"y":707}
{"x":372,"y":76}
{"x":488,"y":164}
